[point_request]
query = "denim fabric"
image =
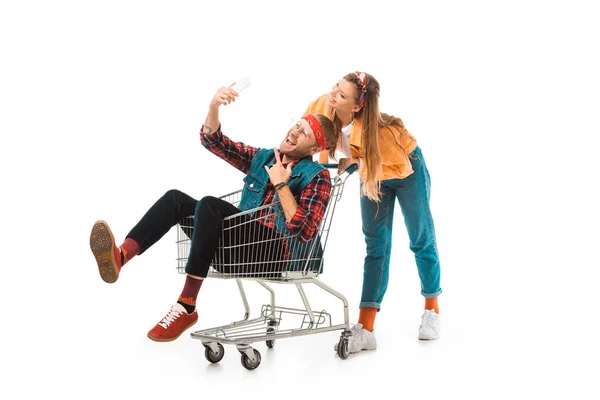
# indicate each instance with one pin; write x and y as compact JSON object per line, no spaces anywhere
{"x":257,"y":180}
{"x":255,"y":186}
{"x":413,"y":193}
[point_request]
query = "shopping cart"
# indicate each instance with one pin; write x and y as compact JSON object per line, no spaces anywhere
{"x":249,"y":251}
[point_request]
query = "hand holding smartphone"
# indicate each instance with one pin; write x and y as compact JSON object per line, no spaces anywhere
{"x":241,"y":84}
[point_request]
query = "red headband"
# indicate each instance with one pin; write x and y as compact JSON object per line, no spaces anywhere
{"x":317,"y":130}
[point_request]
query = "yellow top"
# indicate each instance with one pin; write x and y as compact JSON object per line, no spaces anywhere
{"x":394,"y":162}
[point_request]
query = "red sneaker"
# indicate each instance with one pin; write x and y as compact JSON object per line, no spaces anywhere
{"x":173,"y":324}
{"x":108,"y":255}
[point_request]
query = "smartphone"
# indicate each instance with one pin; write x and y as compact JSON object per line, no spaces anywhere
{"x":241,"y":84}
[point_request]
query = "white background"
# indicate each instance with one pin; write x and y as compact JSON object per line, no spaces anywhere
{"x":100,"y":108}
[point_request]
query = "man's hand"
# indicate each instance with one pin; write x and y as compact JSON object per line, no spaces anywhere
{"x":344,"y":163}
{"x":224,"y":95}
{"x":278,"y":174}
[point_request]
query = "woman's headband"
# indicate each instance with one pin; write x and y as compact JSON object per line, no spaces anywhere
{"x":362,"y":85}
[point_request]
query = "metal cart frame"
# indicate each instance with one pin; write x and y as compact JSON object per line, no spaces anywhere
{"x":232,"y":261}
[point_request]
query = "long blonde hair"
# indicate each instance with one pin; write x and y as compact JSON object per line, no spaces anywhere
{"x":372,"y":122}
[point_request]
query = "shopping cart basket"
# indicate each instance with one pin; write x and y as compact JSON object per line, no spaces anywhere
{"x":248,"y":250}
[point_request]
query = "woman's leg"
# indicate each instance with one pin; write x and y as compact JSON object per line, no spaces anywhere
{"x":377,"y":222}
{"x":413,"y":193}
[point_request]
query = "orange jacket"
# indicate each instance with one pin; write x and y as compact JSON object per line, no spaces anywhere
{"x":394,"y":162}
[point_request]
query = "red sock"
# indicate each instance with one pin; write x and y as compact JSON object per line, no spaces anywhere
{"x":432,"y":304}
{"x":190,"y":291}
{"x":129,"y":249}
{"x":366,"y":317}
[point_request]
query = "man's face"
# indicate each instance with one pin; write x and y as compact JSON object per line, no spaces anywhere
{"x":299,"y":142}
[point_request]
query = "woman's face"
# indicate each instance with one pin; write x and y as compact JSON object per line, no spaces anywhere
{"x":343,"y":97}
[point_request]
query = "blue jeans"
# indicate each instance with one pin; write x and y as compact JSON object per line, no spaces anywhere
{"x":412,"y":193}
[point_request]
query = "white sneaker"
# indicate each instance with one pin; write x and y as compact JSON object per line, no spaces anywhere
{"x":430,"y":326}
{"x":361,"y":339}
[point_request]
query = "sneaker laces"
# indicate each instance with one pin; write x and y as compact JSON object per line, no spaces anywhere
{"x":171,"y":316}
{"x":430,"y":320}
{"x":357,"y":330}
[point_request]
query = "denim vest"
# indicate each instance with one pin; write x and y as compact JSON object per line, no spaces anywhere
{"x":255,"y":187}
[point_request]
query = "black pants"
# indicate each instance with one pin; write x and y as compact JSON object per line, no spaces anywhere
{"x":175,"y":207}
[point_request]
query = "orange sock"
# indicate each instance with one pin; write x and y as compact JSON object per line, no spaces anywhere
{"x":432,"y":304}
{"x":366,"y":317}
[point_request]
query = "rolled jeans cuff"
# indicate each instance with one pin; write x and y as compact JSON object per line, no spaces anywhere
{"x":431,"y":295}
{"x":365,"y":304}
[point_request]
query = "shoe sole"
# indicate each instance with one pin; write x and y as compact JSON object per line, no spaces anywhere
{"x":102,"y":243}
{"x":428,"y":338}
{"x":354,"y":352}
{"x":425,"y":336}
{"x":335,"y":348}
{"x":156,"y":339}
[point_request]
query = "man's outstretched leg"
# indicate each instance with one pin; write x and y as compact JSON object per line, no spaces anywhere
{"x":173,"y":207}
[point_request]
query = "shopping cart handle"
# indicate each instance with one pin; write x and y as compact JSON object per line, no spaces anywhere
{"x":351,"y":168}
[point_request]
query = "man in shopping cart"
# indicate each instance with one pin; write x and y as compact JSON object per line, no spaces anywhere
{"x":287,"y":175}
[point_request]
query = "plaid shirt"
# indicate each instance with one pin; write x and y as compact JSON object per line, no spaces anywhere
{"x":311,"y":203}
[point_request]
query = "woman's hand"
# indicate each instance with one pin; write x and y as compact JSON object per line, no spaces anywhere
{"x":344,"y":163}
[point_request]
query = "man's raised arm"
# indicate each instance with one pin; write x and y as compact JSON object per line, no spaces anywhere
{"x":224,"y":95}
{"x":237,"y":154}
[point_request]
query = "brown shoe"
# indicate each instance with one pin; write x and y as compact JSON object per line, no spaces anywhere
{"x":108,"y":255}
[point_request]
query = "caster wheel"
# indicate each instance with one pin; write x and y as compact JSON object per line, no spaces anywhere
{"x":248,"y":363}
{"x":270,"y":342}
{"x":343,"y":351}
{"x":214,"y":357}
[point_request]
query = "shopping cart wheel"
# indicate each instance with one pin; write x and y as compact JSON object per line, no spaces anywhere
{"x":248,"y":363}
{"x":343,"y":348}
{"x":270,"y":342}
{"x":214,"y":357}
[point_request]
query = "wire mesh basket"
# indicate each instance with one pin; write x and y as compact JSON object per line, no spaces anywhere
{"x":249,"y":246}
